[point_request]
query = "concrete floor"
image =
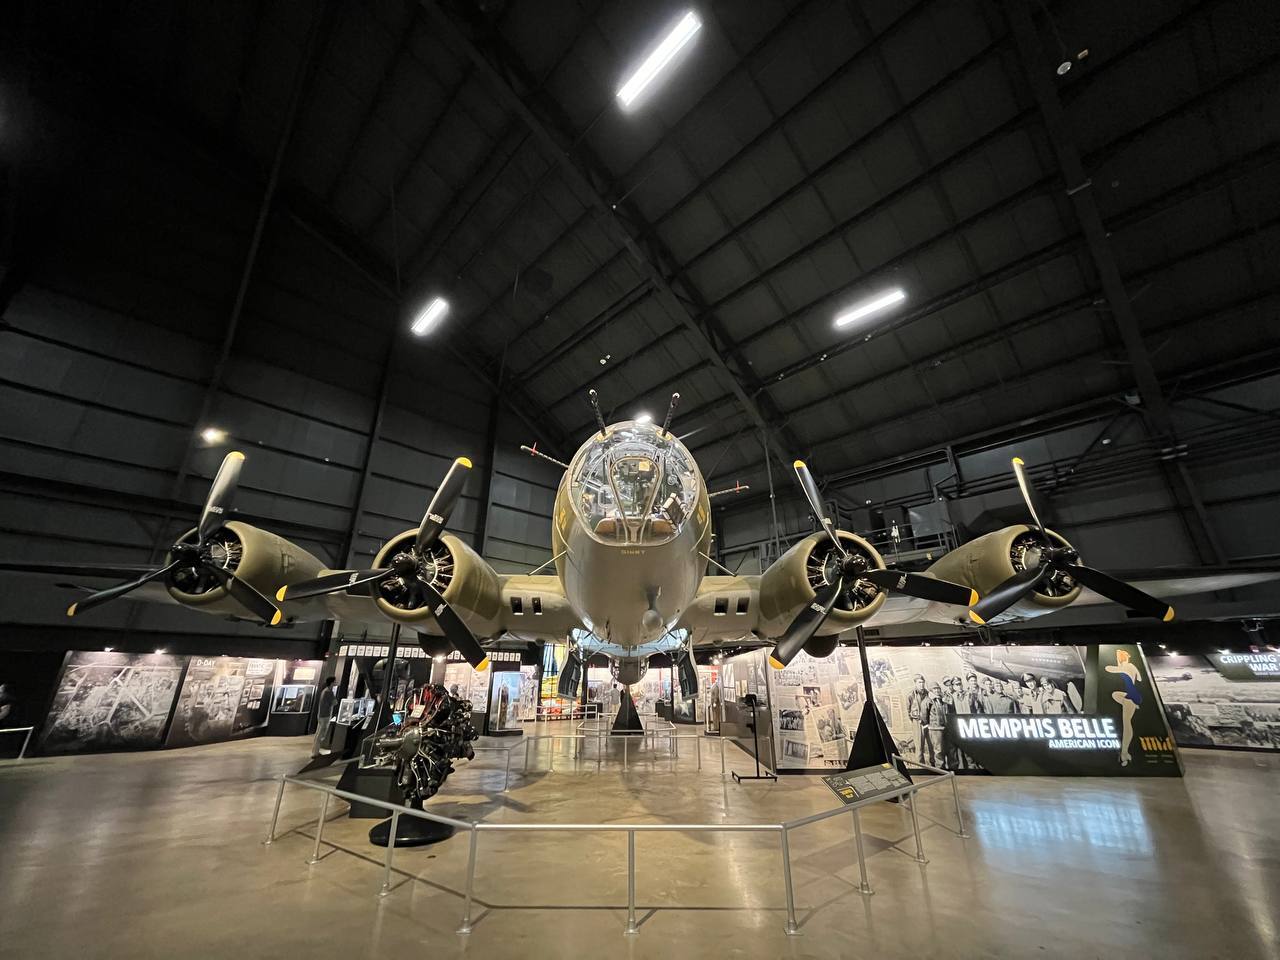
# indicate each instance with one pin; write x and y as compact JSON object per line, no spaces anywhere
{"x":161,"y":855}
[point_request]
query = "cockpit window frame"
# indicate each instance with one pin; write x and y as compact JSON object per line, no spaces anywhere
{"x":594,"y":466}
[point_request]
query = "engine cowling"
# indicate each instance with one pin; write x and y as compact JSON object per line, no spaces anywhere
{"x":792,"y":581}
{"x":262,"y":559}
{"x":989,"y":560}
{"x":468,"y":584}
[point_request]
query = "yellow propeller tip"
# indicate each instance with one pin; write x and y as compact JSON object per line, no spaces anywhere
{"x":280,"y":593}
{"x":799,"y":465}
{"x":973,"y":597}
{"x":71,"y":610}
{"x":977,"y":619}
{"x":463,"y":461}
{"x":236,"y":455}
{"x":1019,"y":461}
{"x":1168,"y":615}
{"x":276,"y":618}
{"x":775,"y":662}
{"x":483,"y":664}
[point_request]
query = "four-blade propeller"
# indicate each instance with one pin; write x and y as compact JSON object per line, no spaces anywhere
{"x":202,"y":559}
{"x":849,"y":571}
{"x":409,"y":577}
{"x":1058,"y":558}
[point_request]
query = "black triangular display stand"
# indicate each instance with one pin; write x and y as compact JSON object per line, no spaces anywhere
{"x":872,"y":744}
{"x":627,"y":721}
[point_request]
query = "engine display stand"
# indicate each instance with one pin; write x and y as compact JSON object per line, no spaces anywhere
{"x":410,"y":831}
{"x":628,"y":720}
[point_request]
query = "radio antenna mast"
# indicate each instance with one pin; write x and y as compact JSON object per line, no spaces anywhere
{"x":595,"y":405}
{"x":675,"y":399}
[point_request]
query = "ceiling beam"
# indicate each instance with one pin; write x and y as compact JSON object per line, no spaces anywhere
{"x":584,"y":176}
{"x":1079,"y":188}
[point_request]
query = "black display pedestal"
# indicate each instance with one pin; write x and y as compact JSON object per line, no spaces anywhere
{"x":751,"y":703}
{"x":628,"y":720}
{"x":410,"y":831}
{"x":376,"y":783}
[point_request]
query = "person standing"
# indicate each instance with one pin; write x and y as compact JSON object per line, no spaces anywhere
{"x":1129,"y":698}
{"x":935,"y":727}
{"x":1052,"y":700}
{"x":996,"y":700}
{"x":324,"y":716}
{"x":916,"y":701}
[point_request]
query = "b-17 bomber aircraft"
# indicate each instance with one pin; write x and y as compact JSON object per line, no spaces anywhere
{"x":630,"y":541}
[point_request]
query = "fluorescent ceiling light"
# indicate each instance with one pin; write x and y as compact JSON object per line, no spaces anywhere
{"x":644,"y":418}
{"x":662,"y":55}
{"x":213,"y":435}
{"x":431,"y":316}
{"x":881,"y":302}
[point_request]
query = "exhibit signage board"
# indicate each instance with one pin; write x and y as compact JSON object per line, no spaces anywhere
{"x":1208,"y":707}
{"x":1247,"y":666}
{"x":221,"y":698}
{"x":866,"y":782}
{"x":135,"y":701}
{"x":111,"y":701}
{"x":1049,"y":710}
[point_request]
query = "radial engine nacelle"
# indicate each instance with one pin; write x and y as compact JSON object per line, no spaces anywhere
{"x":791,"y":583}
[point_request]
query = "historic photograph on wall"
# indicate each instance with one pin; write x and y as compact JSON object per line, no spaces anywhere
{"x":111,"y":701}
{"x":1206,"y":709}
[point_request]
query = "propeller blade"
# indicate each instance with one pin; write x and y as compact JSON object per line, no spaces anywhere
{"x":331,"y":583}
{"x":102,"y":596}
{"x":221,"y":494}
{"x":1024,"y":484}
{"x":1119,"y":591}
{"x":455,"y":631}
{"x":246,"y":595}
{"x":922,"y":586}
{"x":806,"y":624}
{"x":442,"y":504}
{"x":1008,"y":593}
{"x":810,"y":487}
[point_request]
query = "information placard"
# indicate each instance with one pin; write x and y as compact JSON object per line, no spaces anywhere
{"x":866,"y":782}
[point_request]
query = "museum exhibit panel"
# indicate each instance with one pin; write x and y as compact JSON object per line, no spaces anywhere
{"x":498,"y":478}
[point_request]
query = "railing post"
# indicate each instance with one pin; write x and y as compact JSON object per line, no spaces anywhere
{"x":506,"y":774}
{"x":624,"y":752}
{"x":25,"y":740}
{"x":471,"y":882}
{"x":722,"y":755}
{"x":792,"y":928}
{"x":324,"y":812}
{"x":915,"y":827}
{"x":864,"y":887}
{"x":697,"y":742}
{"x":631,"y":881}
{"x":955,"y":793}
{"x":526,"y":755}
{"x":391,"y":846}
{"x":275,"y":814}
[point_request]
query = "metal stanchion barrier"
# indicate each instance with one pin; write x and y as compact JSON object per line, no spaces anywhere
{"x":275,"y":816}
{"x":324,"y":812}
{"x":915,"y":828}
{"x":465,"y":926}
{"x":391,"y":846}
{"x":791,"y":927}
{"x":908,"y":794}
{"x":631,"y":883}
{"x":863,"y":887}
{"x":22,"y":752}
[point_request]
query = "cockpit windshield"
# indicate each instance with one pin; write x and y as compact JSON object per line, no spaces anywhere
{"x":637,"y":485}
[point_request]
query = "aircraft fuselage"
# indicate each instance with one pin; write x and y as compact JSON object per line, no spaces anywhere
{"x":631,"y":528}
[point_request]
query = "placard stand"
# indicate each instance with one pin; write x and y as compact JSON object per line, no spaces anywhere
{"x":752,"y":703}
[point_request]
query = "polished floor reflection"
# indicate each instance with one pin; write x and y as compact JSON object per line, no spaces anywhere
{"x":161,"y":855}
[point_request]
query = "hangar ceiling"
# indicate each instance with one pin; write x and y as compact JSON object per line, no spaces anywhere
{"x":1091,"y":248}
